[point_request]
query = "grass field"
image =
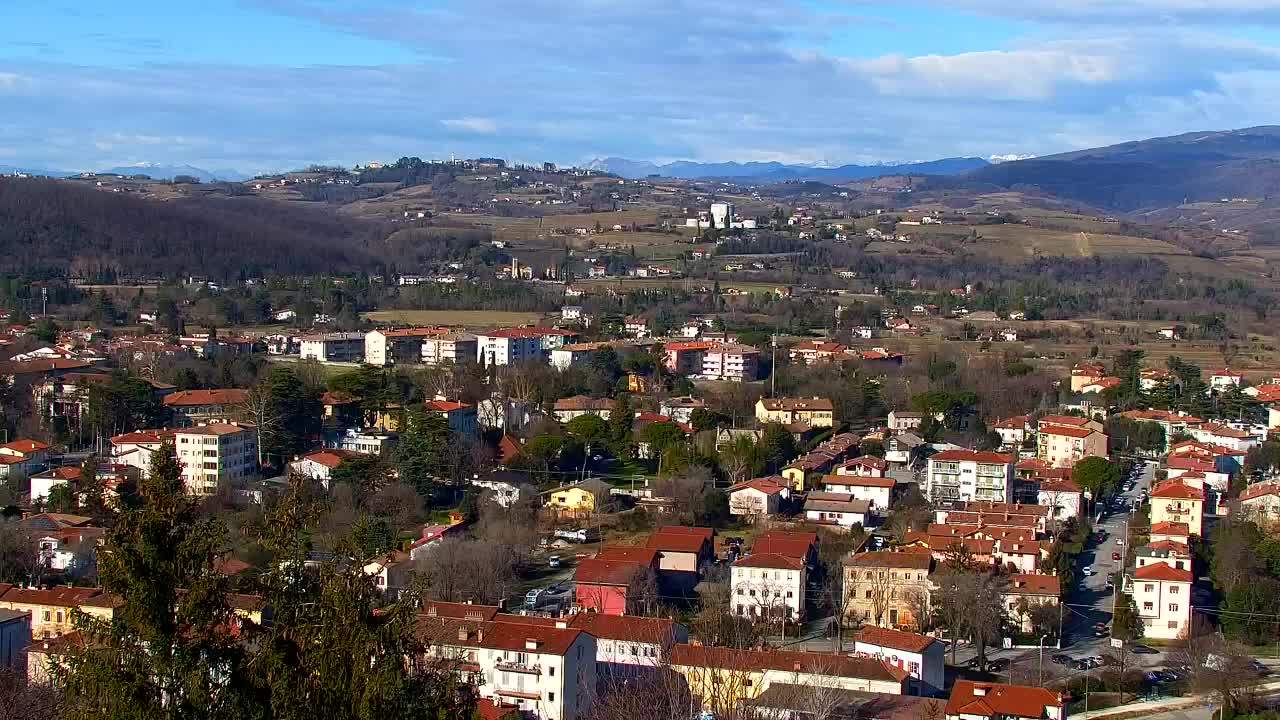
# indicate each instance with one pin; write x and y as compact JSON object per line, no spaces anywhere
{"x":632,"y":284}
{"x":1017,"y":242}
{"x":462,"y":318}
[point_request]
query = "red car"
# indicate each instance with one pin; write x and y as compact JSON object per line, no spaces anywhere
{"x":1115,"y":556}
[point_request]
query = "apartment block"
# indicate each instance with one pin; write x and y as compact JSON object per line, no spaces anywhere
{"x":332,"y":347}
{"x":214,"y":454}
{"x":965,"y":475}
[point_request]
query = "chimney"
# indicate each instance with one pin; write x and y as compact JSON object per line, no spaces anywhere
{"x":979,"y":690}
{"x":562,"y":624}
{"x":462,"y":634}
{"x":431,"y":611}
{"x":531,"y":644}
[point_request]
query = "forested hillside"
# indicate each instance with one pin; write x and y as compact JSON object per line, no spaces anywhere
{"x":64,"y":228}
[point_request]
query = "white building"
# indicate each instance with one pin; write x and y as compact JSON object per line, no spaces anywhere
{"x":508,"y":346}
{"x":876,"y":491}
{"x":838,"y":509}
{"x":134,"y":449}
{"x":449,"y":349}
{"x":367,"y":442}
{"x":320,"y":464}
{"x":383,"y":347}
{"x":736,"y":363}
{"x":628,"y":644}
{"x":547,"y":672}
{"x":758,"y":498}
{"x":1064,"y":496}
{"x":680,"y":409}
{"x":965,"y":475}
{"x":768,"y":586}
{"x":1163,"y":597}
{"x":565,"y":356}
{"x":922,"y":656}
{"x":332,"y":347}
{"x":214,"y":454}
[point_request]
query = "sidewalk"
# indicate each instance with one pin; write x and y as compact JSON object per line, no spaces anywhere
{"x":1142,"y":709}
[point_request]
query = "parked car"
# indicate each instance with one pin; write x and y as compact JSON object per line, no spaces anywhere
{"x":1060,"y":658}
{"x":1088,"y":570}
{"x":553,"y":561}
{"x":1115,"y":556}
{"x":1143,"y":650}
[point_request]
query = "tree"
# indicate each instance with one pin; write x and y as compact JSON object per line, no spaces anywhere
{"x":169,"y":653}
{"x":621,"y":417}
{"x":1096,"y":475}
{"x":741,"y":459}
{"x":777,"y":446}
{"x":588,"y":428}
{"x":298,"y":411}
{"x":1126,"y":623}
{"x":662,"y":435}
{"x":422,"y":455}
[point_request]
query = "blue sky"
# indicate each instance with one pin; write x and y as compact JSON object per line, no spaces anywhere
{"x":259,"y":85}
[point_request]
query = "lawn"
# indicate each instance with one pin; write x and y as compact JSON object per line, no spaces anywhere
{"x":463,"y":318}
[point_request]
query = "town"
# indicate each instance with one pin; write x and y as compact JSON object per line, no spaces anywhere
{"x":649,"y":498}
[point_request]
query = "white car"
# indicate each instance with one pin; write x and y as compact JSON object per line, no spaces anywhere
{"x":1120,"y":542}
{"x":1088,"y":570}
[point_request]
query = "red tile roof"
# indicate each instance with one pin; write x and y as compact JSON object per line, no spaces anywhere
{"x":1185,"y":462}
{"x":769,"y":485}
{"x":890,"y":559}
{"x":59,"y":596}
{"x":25,"y":445}
{"x":594,"y":571}
{"x":770,"y":560}
{"x":896,"y":639}
{"x":1075,"y":432}
{"x":1034,"y":584}
{"x":785,"y":660}
{"x":445,"y":406}
{"x":971,"y":456}
{"x":678,"y":538}
{"x":796,"y":404}
{"x":1171,"y":528}
{"x":331,"y":458}
{"x":1161,"y":571}
{"x":1260,"y":489}
{"x":497,"y":635}
{"x":628,"y":628}
{"x":1068,"y":420}
{"x":192,"y":398}
{"x":859,"y":480}
{"x":643,"y":555}
{"x":460,"y":611}
{"x":1177,"y":489}
{"x":1000,"y":700}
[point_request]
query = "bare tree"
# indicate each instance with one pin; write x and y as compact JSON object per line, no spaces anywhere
{"x":259,"y":410}
{"x":20,"y":700}
{"x":661,"y":695}
{"x":740,"y":459}
{"x":1218,"y":667}
{"x":917,"y":601}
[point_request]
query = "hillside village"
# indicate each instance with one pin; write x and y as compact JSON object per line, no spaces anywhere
{"x":771,"y":521}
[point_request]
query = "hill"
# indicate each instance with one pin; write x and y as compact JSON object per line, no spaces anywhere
{"x":168,"y":172}
{"x":779,"y":172}
{"x":1150,"y":174}
{"x":60,"y":227}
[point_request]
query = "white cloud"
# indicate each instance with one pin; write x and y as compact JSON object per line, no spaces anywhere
{"x":471,"y":124}
{"x":995,"y":75}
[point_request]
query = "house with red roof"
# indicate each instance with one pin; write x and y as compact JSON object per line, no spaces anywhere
{"x":1026,"y":590}
{"x":1178,"y":532}
{"x":683,"y":553}
{"x":1226,"y":436}
{"x":1261,"y":502}
{"x":1162,"y":594}
{"x":1181,"y":501}
{"x":759,"y":497}
{"x":876,"y":490}
{"x":812,"y":352}
{"x":460,"y":416}
{"x":923,"y":657}
{"x":971,"y":700}
{"x":1062,"y":441}
{"x":615,"y":586}
{"x":320,"y":464}
{"x":192,"y":407}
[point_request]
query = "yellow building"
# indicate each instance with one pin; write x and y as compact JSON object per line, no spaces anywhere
{"x":813,"y":412}
{"x":587,"y":496}
{"x":1178,"y":501}
{"x":387,"y":419}
{"x":1063,"y":446}
{"x":50,"y":609}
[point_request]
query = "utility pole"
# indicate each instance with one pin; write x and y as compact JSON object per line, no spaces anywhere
{"x":773,"y":366}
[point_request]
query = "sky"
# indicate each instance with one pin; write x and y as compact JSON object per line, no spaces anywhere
{"x":269,"y":85}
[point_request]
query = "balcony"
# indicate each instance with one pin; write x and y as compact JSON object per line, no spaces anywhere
{"x":515,"y":667}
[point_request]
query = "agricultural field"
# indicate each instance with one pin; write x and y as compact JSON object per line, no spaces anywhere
{"x":454,"y":318}
{"x":633,"y":284}
{"x":1020,"y":242}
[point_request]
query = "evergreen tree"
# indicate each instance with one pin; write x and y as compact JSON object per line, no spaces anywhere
{"x":777,"y":445}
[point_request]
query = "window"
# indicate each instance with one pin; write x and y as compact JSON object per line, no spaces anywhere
{"x":1173,"y":624}
{"x":1173,"y":607}
{"x":1148,"y":588}
{"x":868,"y":594}
{"x":1173,"y":590}
{"x":1148,"y":606}
{"x":790,"y":594}
{"x":46,"y":616}
{"x":551,"y":697}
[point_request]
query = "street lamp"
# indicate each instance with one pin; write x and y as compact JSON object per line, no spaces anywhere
{"x":1042,"y":637}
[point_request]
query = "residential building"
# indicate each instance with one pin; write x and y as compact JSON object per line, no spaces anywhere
{"x":1162,"y":595}
{"x":1226,"y":436}
{"x":965,"y":475}
{"x":1224,"y":378}
{"x":627,"y":645}
{"x":586,"y":497}
{"x":768,"y":586}
{"x":15,"y":634}
{"x":1259,"y":502}
{"x":722,"y":680}
{"x":1028,"y":590}
{"x":972,"y":700}
{"x":887,"y":589}
{"x":320,"y":464}
{"x":368,"y":442}
{"x":1173,"y":423}
{"x":566,"y":409}
{"x":838,"y":509}
{"x":864,"y":466}
{"x":546,"y":671}
{"x":1062,"y":495}
{"x":758,"y":498}
{"x":43,"y":483}
{"x":1063,"y":445}
{"x":134,"y":449}
{"x":21,"y":458}
{"x":802,"y":472}
{"x":735,"y":363}
{"x":618,"y":581}
{"x":813,"y":412}
{"x":1180,"y":502}
{"x":1086,"y":373}
{"x":50,"y":609}
{"x":1174,"y":554}
{"x":683,"y":553}
{"x":332,"y":347}
{"x":508,"y":346}
{"x":902,"y":420}
{"x":508,"y":414}
{"x":686,"y":358}
{"x":811,"y":352}
{"x":1013,"y":431}
{"x":905,"y":449}
{"x":681,"y":408}
{"x":566,"y":356}
{"x":923,"y":657}
{"x":1178,"y":532}
{"x":636,"y":326}
{"x":192,"y":407}
{"x":460,"y":416}
{"x":877,"y":492}
{"x":63,"y":542}
{"x":384,"y":346}
{"x":449,"y":349}
{"x":215,"y":454}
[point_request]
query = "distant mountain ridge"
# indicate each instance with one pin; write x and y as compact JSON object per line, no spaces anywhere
{"x":156,"y":171}
{"x":1150,"y":174}
{"x":781,"y":172}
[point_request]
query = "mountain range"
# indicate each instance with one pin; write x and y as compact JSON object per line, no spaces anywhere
{"x":780,"y":172}
{"x":155,"y":171}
